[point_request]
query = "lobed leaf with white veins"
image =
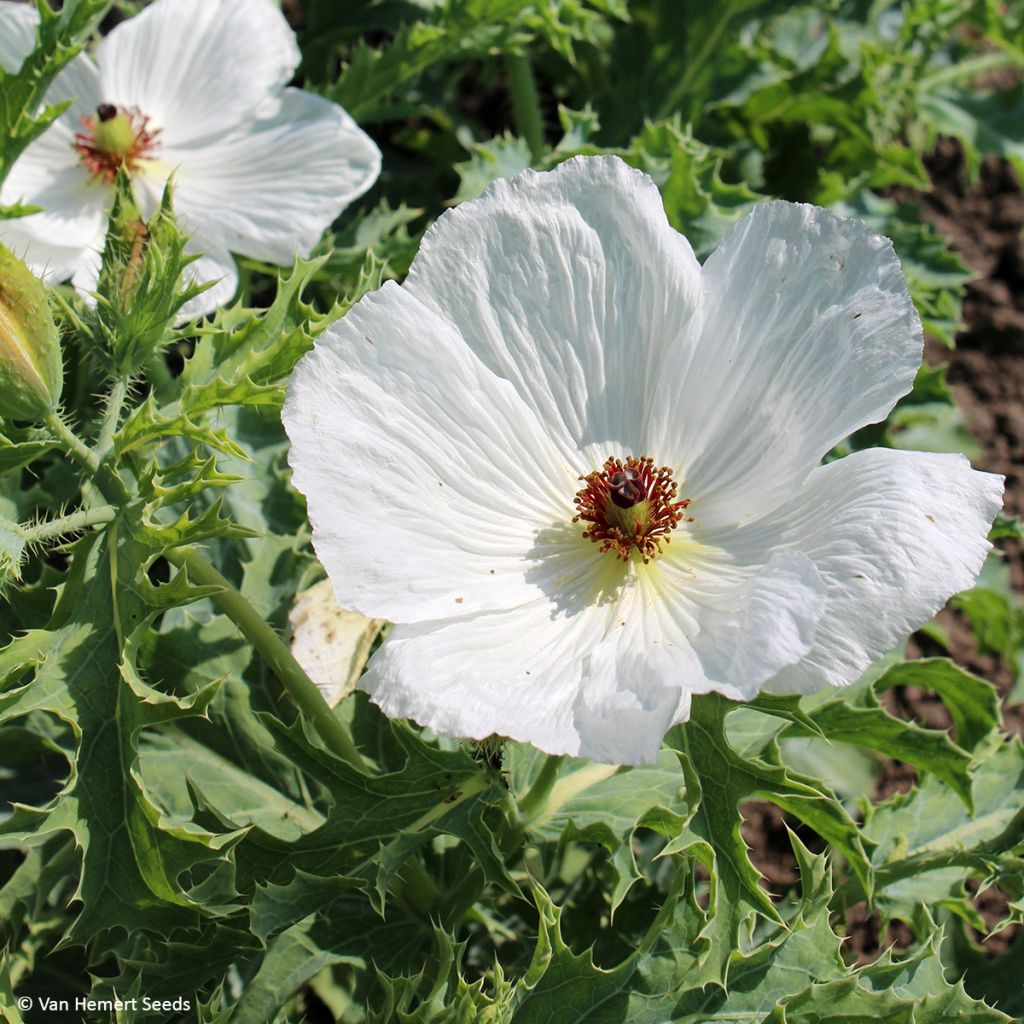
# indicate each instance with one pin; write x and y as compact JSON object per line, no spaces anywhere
{"x":604,"y":805}
{"x":717,"y":780}
{"x":863,"y":722}
{"x":66,"y":671}
{"x":995,"y":614}
{"x":925,"y":847}
{"x":795,"y":976}
{"x":455,"y":32}
{"x":698,"y":203}
{"x":985,"y":122}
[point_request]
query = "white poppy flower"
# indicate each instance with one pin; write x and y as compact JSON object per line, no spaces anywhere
{"x":193,"y":88}
{"x":580,"y":471}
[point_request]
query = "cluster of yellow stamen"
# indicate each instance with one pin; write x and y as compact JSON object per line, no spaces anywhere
{"x":630,"y":506}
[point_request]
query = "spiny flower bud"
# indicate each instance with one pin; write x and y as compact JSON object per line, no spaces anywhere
{"x":31,"y":375}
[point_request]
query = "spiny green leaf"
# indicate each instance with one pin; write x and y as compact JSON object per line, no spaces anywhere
{"x":444,"y":998}
{"x":149,"y":424}
{"x":276,"y":907}
{"x":994,"y":611}
{"x":796,"y":975}
{"x":243,"y":352}
{"x":192,"y":529}
{"x":184,"y":480}
{"x":972,"y":702}
{"x":927,"y":846}
{"x":984,"y":122}
{"x":128,"y":865}
{"x":866,"y":724}
{"x":717,"y":781}
{"x":462,"y":30}
{"x":18,"y":449}
{"x":603,"y":804}
{"x":378,"y":237}
{"x":502,"y":157}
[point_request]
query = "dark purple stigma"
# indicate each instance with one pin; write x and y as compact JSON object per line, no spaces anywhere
{"x":106,"y":111}
{"x":625,"y":488}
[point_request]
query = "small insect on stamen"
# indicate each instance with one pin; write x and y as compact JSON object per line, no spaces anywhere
{"x":626,"y":488}
{"x":631,"y":506}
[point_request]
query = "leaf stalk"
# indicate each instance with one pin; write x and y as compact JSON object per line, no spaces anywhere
{"x":274,"y":651}
{"x":526,"y":112}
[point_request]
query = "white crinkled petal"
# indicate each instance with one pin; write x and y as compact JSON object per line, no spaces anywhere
{"x":770,"y":623}
{"x":17,"y":33}
{"x":639,"y":679}
{"x":601,"y":682}
{"x":198,"y":68}
{"x":807,"y":333}
{"x":893,"y":535}
{"x":86,"y":274}
{"x":511,"y":673}
{"x":429,"y":482}
{"x":572,"y":285}
{"x":603,"y":679}
{"x":49,"y":242}
{"x":50,"y":174}
{"x":271,"y":187}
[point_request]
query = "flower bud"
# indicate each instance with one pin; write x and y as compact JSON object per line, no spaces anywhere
{"x":31,"y":375}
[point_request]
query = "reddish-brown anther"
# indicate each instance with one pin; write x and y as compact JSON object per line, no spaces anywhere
{"x":630,"y":506}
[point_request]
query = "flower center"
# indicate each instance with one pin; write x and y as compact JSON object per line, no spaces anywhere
{"x":630,"y":506}
{"x":115,"y":138}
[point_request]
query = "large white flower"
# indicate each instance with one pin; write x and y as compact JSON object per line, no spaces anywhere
{"x":193,"y":88}
{"x":475,"y":448}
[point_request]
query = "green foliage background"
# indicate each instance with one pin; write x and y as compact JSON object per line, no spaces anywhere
{"x":173,"y":826}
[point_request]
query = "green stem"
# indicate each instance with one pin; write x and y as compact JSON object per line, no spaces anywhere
{"x":163,"y":381}
{"x":473,"y":785}
{"x":108,"y":482}
{"x":664,"y":915}
{"x":73,"y":445}
{"x":274,"y":652}
{"x":80,"y":520}
{"x":111,"y":415}
{"x":413,"y":886}
{"x":460,"y":900}
{"x":968,"y":69}
{"x":526,"y":110}
{"x":531,"y":804}
{"x":693,"y":66}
